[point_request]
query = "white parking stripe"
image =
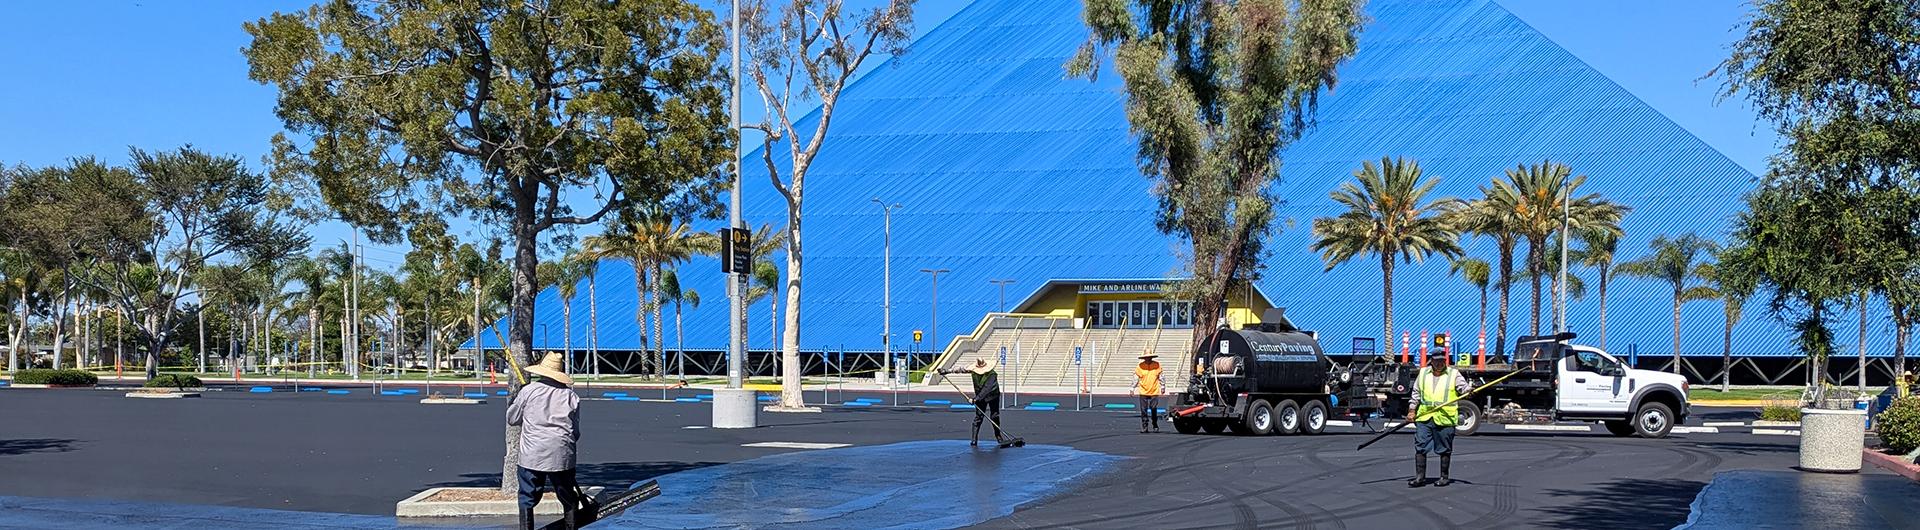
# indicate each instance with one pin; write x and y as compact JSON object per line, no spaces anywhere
{"x":1695,"y":430}
{"x":1339,"y":423}
{"x":795,"y":445}
{"x":1575,"y":428}
{"x":1725,"y":424}
{"x":1780,"y":432}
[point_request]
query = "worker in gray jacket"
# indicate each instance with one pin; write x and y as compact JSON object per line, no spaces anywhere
{"x":548,"y":413}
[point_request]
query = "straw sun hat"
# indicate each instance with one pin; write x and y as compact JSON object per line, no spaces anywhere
{"x":981,"y":366}
{"x":552,"y":367}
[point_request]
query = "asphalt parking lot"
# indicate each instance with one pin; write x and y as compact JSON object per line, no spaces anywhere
{"x":359,"y":453}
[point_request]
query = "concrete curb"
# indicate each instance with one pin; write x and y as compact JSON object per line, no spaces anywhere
{"x":1897,"y":464}
{"x":417,"y":506}
{"x":1765,"y":423}
{"x":46,"y":386}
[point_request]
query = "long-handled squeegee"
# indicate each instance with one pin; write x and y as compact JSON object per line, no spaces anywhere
{"x":1010,"y":440}
{"x":1470,"y":393}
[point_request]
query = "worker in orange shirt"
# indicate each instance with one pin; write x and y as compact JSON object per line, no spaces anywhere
{"x":1148,"y":388}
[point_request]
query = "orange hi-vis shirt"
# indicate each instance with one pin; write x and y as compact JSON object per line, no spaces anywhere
{"x":1149,"y":374}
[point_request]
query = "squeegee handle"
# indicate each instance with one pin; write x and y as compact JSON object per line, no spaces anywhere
{"x":1402,"y":425}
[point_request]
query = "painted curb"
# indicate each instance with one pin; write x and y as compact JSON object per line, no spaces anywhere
{"x":1765,"y":423}
{"x":452,"y":401}
{"x":1895,"y":463}
{"x":162,"y":395}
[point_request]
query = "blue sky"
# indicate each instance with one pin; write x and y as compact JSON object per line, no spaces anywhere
{"x":92,"y":78}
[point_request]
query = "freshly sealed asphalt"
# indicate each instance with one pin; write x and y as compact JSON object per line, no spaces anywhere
{"x":359,"y":453}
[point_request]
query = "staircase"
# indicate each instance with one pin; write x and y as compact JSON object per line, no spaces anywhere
{"x":1040,"y":352}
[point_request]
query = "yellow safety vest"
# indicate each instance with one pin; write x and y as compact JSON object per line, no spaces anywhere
{"x":1435,"y":390}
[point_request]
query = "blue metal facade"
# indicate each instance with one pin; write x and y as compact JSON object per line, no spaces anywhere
{"x":1008,"y":169}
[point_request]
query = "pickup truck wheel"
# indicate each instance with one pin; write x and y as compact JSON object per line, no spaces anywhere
{"x":1186,"y":425}
{"x":1259,"y":420}
{"x":1286,"y":417}
{"x":1653,"y":420}
{"x":1619,"y":427}
{"x":1313,"y":418}
{"x":1214,"y":426}
{"x":1469,"y":419}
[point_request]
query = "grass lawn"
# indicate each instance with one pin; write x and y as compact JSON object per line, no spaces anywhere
{"x":1713,"y":393}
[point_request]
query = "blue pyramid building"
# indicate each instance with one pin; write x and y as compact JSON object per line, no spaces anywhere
{"x":1007,"y":169}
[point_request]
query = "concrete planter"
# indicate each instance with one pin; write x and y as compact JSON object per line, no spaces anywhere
{"x":1831,"y":440}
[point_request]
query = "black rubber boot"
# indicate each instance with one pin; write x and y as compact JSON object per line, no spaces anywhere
{"x":570,"y":517}
{"x":526,"y":519}
{"x":976,"y":435}
{"x":1419,"y":471}
{"x":1446,"y":461}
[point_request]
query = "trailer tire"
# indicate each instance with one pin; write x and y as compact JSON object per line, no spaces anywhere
{"x":1286,"y":417}
{"x":1214,"y":426}
{"x":1313,"y":418}
{"x":1469,"y":422}
{"x":1259,"y":421}
{"x":1619,"y":427}
{"x":1653,"y":420}
{"x":1186,"y":425}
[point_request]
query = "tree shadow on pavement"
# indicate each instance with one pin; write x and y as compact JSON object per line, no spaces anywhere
{"x":1624,"y":503}
{"x":35,"y":445}
{"x":616,"y":475}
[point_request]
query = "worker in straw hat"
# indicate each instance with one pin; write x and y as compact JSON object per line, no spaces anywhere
{"x":1148,"y":389}
{"x":548,"y":413}
{"x":986,"y":396}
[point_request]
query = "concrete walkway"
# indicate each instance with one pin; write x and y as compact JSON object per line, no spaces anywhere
{"x":1756,"y":499}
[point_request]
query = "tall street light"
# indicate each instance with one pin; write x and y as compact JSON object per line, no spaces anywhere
{"x":933,"y":331}
{"x":734,"y":407}
{"x":886,"y":286}
{"x":1003,"y":292}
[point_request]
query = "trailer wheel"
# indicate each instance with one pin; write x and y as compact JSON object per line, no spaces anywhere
{"x":1186,"y":425}
{"x":1653,"y":420}
{"x":1313,"y":418}
{"x":1214,"y":426}
{"x":1619,"y":427}
{"x":1469,"y":419}
{"x":1259,"y":420}
{"x":1286,"y":417}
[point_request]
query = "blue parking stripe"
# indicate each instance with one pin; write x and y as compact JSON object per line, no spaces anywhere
{"x":476,"y":395}
{"x":705,"y":396}
{"x":260,"y":390}
{"x":1037,"y":407}
{"x":856,"y":404}
{"x":938,"y":402}
{"x":392,"y":393}
{"x":870,"y":400}
{"x":766,"y":398}
{"x":626,"y":398}
{"x":614,"y":395}
{"x":338,"y":392}
{"x":687,"y":400}
{"x":408,"y":391}
{"x":500,"y":393}
{"x":961,"y":406}
{"x":1119,"y":405}
{"x":311,"y":389}
{"x":1044,"y":404}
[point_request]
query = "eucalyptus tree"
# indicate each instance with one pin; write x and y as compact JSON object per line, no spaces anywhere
{"x":1215,"y":92}
{"x":1390,"y":215}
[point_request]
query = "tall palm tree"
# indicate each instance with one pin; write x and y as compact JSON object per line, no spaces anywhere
{"x":1387,"y":215}
{"x":1677,"y":262}
{"x":680,"y":297}
{"x":1493,"y":215}
{"x":1480,"y":275}
{"x":766,"y":284}
{"x":1576,"y":286}
{"x":1544,"y":201}
{"x":1597,"y":248}
{"x":312,"y":275}
{"x":1733,"y":291}
{"x":567,"y":274}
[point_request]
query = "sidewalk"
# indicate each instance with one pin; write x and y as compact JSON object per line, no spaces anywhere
{"x":1754,"y":499}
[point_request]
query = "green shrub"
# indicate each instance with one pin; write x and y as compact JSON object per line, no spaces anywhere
{"x":174,"y":381}
{"x":1899,"y":425}
{"x":1780,"y":413}
{"x":54,"y":377}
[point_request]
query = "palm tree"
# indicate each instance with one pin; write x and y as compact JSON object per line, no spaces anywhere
{"x":681,"y":297}
{"x":1493,"y":216}
{"x":1576,"y":286}
{"x":567,"y":275}
{"x":1596,"y":251}
{"x":1387,"y":215}
{"x":1544,"y":202}
{"x":766,"y":284}
{"x":1480,"y":275}
{"x":1733,"y":291}
{"x":652,"y":240}
{"x":312,"y":275}
{"x":1677,"y":262}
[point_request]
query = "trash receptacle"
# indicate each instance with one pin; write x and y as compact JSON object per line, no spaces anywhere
{"x":1831,"y":440}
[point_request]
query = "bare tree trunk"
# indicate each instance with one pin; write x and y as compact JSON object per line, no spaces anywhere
{"x":1863,"y":343}
{"x":1537,"y":266}
{"x":313,"y":335}
{"x":1902,"y":325}
{"x":1506,"y":295}
{"x":1676,"y":331}
{"x":593,"y":320}
{"x":790,"y":396}
{"x":659,"y":343}
{"x":640,"y":314}
{"x":680,"y":339}
{"x":201,"y":316}
{"x":1603,"y":307}
{"x":59,"y":323}
{"x":14,"y":339}
{"x":566,"y":339}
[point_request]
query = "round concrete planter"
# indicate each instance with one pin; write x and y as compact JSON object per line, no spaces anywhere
{"x":1831,"y":440}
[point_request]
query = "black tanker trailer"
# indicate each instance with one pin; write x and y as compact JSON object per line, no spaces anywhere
{"x":1274,"y":379}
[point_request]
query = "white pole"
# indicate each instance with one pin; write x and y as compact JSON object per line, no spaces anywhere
{"x":736,"y":291}
{"x":1566,"y":237}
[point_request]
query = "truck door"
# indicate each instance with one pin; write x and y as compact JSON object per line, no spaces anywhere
{"x":1582,"y":388}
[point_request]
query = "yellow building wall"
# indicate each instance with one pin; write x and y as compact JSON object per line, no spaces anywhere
{"x":1066,"y":301}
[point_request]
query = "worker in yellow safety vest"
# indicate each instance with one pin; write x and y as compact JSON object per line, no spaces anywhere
{"x":1435,"y":416}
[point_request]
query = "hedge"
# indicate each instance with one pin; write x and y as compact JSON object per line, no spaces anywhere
{"x":174,"y":381}
{"x":54,"y":377}
{"x":1899,"y":425}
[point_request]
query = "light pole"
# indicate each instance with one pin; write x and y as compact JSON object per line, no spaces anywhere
{"x":933,"y":330}
{"x":735,"y":407}
{"x":886,"y":286}
{"x":1566,"y":238}
{"x":1003,"y":292}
